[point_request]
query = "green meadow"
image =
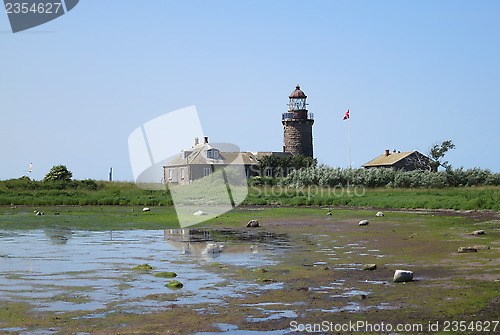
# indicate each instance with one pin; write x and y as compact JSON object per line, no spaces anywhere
{"x":101,"y":193}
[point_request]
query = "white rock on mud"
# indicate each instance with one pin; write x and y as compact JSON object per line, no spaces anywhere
{"x":401,"y":276}
{"x":253,"y":224}
{"x":199,"y":213}
{"x":363,"y":222}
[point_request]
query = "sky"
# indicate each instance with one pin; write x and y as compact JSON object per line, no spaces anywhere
{"x":412,"y":74}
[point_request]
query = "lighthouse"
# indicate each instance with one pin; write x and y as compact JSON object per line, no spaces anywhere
{"x":297,"y":125}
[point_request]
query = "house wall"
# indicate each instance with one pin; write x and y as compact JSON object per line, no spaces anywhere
{"x":414,"y":161}
{"x":176,"y":175}
{"x":195,"y":172}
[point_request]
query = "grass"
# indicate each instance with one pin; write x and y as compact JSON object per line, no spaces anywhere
{"x":97,"y":218}
{"x":458,"y":198}
{"x":103,"y":193}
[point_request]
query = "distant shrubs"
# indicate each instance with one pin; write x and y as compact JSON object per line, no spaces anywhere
{"x":24,"y":183}
{"x":24,"y":191}
{"x":325,"y":176}
{"x":58,"y":173}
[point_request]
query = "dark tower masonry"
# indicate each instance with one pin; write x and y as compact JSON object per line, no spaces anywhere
{"x":297,"y":126}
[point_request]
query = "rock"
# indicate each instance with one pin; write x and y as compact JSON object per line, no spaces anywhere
{"x":364,"y":222}
{"x":198,"y":213}
{"x":466,"y":249}
{"x":401,"y":276}
{"x":143,"y":267}
{"x":329,"y":213}
{"x":369,"y":267}
{"x":379,"y":214}
{"x":146,"y":209}
{"x":361,"y":296}
{"x":253,"y":224}
{"x":481,"y":247}
{"x":166,"y":274}
{"x":265,"y":280}
{"x":174,"y":284}
{"x":40,"y":213}
{"x":478,"y":232}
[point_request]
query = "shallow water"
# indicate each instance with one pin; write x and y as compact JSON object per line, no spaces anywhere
{"x":62,"y":270}
{"x":233,"y":330}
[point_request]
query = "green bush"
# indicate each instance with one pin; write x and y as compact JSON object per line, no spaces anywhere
{"x":58,"y":173}
{"x":330,"y":177}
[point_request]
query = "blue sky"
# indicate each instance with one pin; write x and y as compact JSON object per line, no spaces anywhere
{"x":411,"y":73}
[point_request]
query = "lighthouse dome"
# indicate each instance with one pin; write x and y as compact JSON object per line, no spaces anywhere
{"x":297,"y":94}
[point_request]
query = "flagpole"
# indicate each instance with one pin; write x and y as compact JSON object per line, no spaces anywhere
{"x":349,"y":140}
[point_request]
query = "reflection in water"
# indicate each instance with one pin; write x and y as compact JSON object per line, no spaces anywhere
{"x":44,"y":267}
{"x":58,"y":235}
{"x":212,"y":243}
{"x":200,"y":243}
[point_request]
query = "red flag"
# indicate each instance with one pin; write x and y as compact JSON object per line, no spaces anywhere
{"x":346,"y":116}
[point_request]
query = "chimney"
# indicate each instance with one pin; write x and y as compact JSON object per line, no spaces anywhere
{"x":196,"y":141}
{"x":386,"y":152}
{"x":205,"y":141}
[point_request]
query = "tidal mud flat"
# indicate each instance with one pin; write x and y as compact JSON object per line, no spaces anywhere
{"x":302,"y":267}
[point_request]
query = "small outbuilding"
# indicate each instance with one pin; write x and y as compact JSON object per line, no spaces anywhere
{"x":407,"y":161}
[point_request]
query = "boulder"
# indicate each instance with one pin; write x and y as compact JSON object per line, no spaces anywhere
{"x":253,"y":224}
{"x":401,"y":276}
{"x":265,"y":280}
{"x":174,"y":284}
{"x":143,"y":267}
{"x":199,"y":213}
{"x":369,"y":267}
{"x":478,"y":232}
{"x":329,"y":213}
{"x":466,"y":249}
{"x":481,"y":247}
{"x":146,"y":209}
{"x":363,"y":222}
{"x":379,"y":214}
{"x":166,"y":274}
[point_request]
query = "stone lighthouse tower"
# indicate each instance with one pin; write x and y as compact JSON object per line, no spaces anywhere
{"x":297,"y":126}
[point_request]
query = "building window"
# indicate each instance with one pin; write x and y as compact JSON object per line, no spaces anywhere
{"x":206,"y":172}
{"x":213,"y":154}
{"x":182,"y":173}
{"x":269,"y":172}
{"x":170,"y":174}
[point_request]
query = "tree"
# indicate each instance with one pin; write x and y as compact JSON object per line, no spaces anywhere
{"x":58,"y":173}
{"x":280,"y":166}
{"x":437,"y":153}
